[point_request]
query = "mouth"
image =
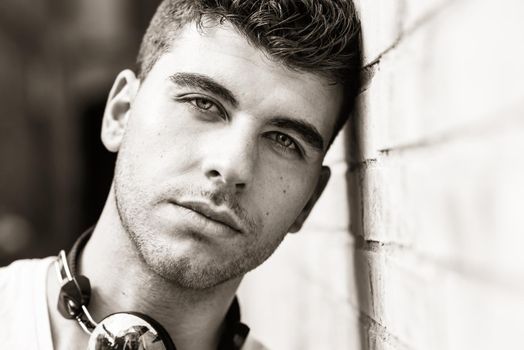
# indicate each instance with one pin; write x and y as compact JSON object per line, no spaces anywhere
{"x":220,"y":215}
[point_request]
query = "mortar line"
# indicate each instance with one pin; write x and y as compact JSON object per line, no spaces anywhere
{"x":503,"y":122}
{"x":468,"y":272}
{"x":427,"y":17}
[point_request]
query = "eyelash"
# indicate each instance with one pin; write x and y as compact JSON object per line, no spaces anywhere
{"x":192,"y":100}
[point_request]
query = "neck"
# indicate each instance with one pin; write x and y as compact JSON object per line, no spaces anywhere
{"x":121,"y":281}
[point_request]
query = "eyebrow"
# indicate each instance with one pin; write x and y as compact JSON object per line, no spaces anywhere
{"x":308,"y":131}
{"x":205,"y":83}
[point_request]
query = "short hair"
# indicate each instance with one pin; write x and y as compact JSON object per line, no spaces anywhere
{"x":315,"y":36}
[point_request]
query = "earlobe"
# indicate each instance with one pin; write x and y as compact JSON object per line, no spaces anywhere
{"x":117,"y":109}
{"x":323,"y":179}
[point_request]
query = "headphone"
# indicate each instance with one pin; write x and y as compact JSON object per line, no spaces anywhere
{"x":124,"y":330}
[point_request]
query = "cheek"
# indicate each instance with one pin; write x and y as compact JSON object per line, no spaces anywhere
{"x":285,"y":198}
{"x":157,"y":146}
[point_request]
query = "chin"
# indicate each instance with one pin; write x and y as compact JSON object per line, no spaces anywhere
{"x":188,"y":263}
{"x":197,"y":262}
{"x":193,"y":272}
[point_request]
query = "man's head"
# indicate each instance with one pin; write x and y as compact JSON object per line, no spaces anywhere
{"x":222,"y":135}
{"x":315,"y":36}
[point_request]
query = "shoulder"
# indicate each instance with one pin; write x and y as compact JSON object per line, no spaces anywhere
{"x":18,"y":280}
{"x":19,"y":271}
{"x":23,"y":305}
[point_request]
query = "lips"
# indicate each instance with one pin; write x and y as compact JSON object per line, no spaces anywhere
{"x":220,"y":215}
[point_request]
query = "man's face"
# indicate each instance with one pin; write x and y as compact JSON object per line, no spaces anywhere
{"x":221,"y":151}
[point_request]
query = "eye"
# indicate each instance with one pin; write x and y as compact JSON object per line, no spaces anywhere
{"x":285,"y":143}
{"x":204,"y":105}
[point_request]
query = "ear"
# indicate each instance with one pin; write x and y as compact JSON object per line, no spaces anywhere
{"x":117,"y":109}
{"x":325,"y":174}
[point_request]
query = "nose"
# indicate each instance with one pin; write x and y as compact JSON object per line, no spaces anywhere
{"x":230,"y":160}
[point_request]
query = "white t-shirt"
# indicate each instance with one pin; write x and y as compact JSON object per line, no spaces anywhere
{"x":24,"y":319}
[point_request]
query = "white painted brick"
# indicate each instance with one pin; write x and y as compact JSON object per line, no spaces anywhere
{"x":443,"y":208}
{"x":460,"y":68}
{"x":299,"y":298}
{"x":459,"y":201}
{"x":371,"y":106}
{"x":369,"y":269}
{"x":337,"y":153}
{"x":380,"y":25}
{"x":354,"y":182}
{"x":412,"y":304}
{"x":326,"y":259}
{"x":429,"y":308}
{"x":378,"y":343}
{"x":482,"y":318}
{"x":403,"y":303}
{"x":416,"y":13}
{"x":386,"y":21}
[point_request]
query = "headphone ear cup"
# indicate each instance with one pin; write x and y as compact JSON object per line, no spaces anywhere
{"x":73,"y":295}
{"x":85,"y":289}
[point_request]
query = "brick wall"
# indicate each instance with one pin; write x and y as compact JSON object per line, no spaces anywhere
{"x":431,"y":172}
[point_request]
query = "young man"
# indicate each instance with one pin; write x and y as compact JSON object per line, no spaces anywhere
{"x":220,"y":139}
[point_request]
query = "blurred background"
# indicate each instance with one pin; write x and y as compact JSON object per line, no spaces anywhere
{"x":418,"y":240}
{"x":58,"y":59}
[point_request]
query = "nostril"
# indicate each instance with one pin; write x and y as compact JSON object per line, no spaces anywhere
{"x":240,"y":186}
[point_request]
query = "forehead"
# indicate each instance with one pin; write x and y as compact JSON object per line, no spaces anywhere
{"x":261,"y":84}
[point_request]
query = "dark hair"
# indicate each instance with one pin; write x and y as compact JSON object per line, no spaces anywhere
{"x":317,"y":36}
